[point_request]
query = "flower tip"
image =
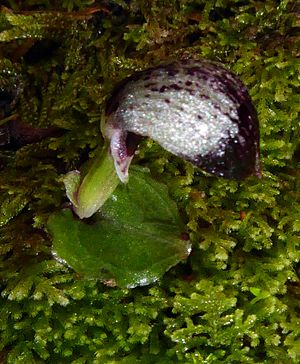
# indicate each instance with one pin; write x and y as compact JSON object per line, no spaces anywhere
{"x":122,"y":170}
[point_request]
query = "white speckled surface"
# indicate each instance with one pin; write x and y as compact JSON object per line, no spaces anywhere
{"x":191,"y":108}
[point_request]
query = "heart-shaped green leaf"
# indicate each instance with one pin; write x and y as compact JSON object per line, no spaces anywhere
{"x":132,"y":241}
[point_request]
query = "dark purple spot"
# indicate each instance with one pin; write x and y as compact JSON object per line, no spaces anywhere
{"x":190,"y":91}
{"x":192,"y":71}
{"x":174,"y":86}
{"x":199,"y":117}
{"x":132,"y":142}
{"x":188,"y":83}
{"x":203,"y":96}
{"x":200,"y":73}
{"x":167,"y":101}
{"x":163,"y":88}
{"x":203,"y":77}
{"x":154,"y":89}
{"x":229,"y":84}
{"x":172,"y":72}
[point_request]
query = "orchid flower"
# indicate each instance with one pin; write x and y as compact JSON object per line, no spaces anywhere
{"x":195,"y":109}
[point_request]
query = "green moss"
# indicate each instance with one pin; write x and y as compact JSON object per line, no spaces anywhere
{"x":237,"y":298}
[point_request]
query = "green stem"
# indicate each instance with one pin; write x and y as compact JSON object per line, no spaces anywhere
{"x":5,"y":120}
{"x":96,"y":187}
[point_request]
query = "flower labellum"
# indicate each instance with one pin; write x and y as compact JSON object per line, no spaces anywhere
{"x":197,"y":110}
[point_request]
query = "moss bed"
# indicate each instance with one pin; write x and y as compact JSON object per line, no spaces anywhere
{"x":237,"y":299}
